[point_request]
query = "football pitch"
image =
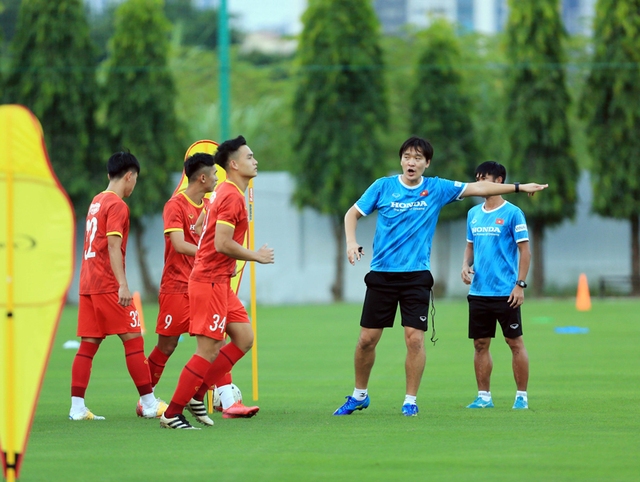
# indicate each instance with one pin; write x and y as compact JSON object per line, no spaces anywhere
{"x":583,"y":422}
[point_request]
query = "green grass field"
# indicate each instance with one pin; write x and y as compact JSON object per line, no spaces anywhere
{"x":583,"y":424}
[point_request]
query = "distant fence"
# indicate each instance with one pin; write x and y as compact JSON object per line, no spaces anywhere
{"x":619,"y":285}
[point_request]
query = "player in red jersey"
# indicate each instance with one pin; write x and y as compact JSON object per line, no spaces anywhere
{"x":214,"y":307}
{"x":180,"y":215}
{"x":105,"y":306}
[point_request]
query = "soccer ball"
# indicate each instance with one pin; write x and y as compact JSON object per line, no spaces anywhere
{"x":237,"y":394}
{"x":217,"y":404}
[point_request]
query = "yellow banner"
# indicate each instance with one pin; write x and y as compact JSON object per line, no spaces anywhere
{"x":37,"y":242}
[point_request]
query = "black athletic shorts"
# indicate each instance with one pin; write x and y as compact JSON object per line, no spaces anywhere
{"x":484,"y":311}
{"x":386,"y":290}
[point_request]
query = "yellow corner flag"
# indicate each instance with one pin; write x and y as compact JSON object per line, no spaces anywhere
{"x":37,"y":230}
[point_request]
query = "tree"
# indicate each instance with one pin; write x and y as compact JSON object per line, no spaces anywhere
{"x":52,"y":72}
{"x":198,"y":26}
{"x":441,"y":112}
{"x":537,"y":105}
{"x":140,"y":110}
{"x":192,"y":26}
{"x":610,"y":107}
{"x":340,"y":108}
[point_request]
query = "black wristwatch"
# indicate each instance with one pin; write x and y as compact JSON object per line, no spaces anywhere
{"x":521,"y":283}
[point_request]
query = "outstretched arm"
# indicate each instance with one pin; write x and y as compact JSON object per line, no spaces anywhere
{"x":487,"y":188}
{"x":354,"y":250}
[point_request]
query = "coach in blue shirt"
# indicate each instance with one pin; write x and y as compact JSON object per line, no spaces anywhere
{"x":496,"y":262}
{"x":408,"y":206}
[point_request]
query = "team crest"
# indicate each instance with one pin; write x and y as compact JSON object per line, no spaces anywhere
{"x":500,"y":221}
{"x":424,"y":193}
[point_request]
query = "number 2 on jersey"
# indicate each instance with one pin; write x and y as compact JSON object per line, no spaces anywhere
{"x":92,"y":227}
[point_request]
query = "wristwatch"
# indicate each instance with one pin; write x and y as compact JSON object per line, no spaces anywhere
{"x":521,"y":283}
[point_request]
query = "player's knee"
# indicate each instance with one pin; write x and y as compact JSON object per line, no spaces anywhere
{"x":366,"y":343}
{"x":481,"y":344}
{"x":414,"y":343}
{"x":168,"y":348}
{"x":515,"y":343}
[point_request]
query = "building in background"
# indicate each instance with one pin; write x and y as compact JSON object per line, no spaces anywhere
{"x":484,"y":16}
{"x":392,"y":15}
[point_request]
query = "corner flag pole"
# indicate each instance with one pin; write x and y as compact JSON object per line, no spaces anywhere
{"x":252,"y":283}
{"x":11,"y":455}
{"x":224,"y":73}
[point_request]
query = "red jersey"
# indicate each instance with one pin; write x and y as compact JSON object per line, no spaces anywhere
{"x":228,"y":207}
{"x":180,"y":214}
{"x":108,"y":216}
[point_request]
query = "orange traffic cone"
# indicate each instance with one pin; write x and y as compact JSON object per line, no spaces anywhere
{"x":583,"y":298}
{"x":137,"y":302}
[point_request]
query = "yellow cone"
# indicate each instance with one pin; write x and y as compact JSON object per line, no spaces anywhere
{"x":583,"y":298}
{"x":137,"y":302}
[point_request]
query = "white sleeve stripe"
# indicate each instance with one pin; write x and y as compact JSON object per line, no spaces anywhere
{"x":464,"y":187}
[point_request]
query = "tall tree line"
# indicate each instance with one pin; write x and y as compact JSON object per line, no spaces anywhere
{"x":611,"y":107}
{"x":53,"y":70}
{"x":538,"y":128}
{"x":342,"y":104}
{"x":340,"y":109}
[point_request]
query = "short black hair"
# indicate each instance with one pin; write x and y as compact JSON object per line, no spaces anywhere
{"x":492,"y":168}
{"x":195,"y":163}
{"x":120,"y":163}
{"x":419,"y":144}
{"x":226,"y":149}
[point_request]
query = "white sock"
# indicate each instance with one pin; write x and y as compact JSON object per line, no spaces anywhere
{"x":411,"y":399}
{"x":148,"y":400}
{"x":521,"y":394}
{"x":226,"y":396}
{"x":360,"y":393}
{"x":486,"y":396}
{"x":77,"y":404}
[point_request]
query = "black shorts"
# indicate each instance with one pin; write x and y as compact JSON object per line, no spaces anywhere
{"x":386,"y":290}
{"x":484,"y":311}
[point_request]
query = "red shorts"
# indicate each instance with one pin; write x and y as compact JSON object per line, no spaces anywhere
{"x":173,"y":317}
{"x":212,"y":306}
{"x":100,"y":315}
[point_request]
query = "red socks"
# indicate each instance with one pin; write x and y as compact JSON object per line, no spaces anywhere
{"x":188,"y":384}
{"x":137,"y":364}
{"x":81,"y":368}
{"x":225,"y":380}
{"x":157,"y":360}
{"x":228,"y":356}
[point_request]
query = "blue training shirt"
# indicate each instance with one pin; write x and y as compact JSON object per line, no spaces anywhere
{"x":495,"y":236}
{"x":407,"y":217}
